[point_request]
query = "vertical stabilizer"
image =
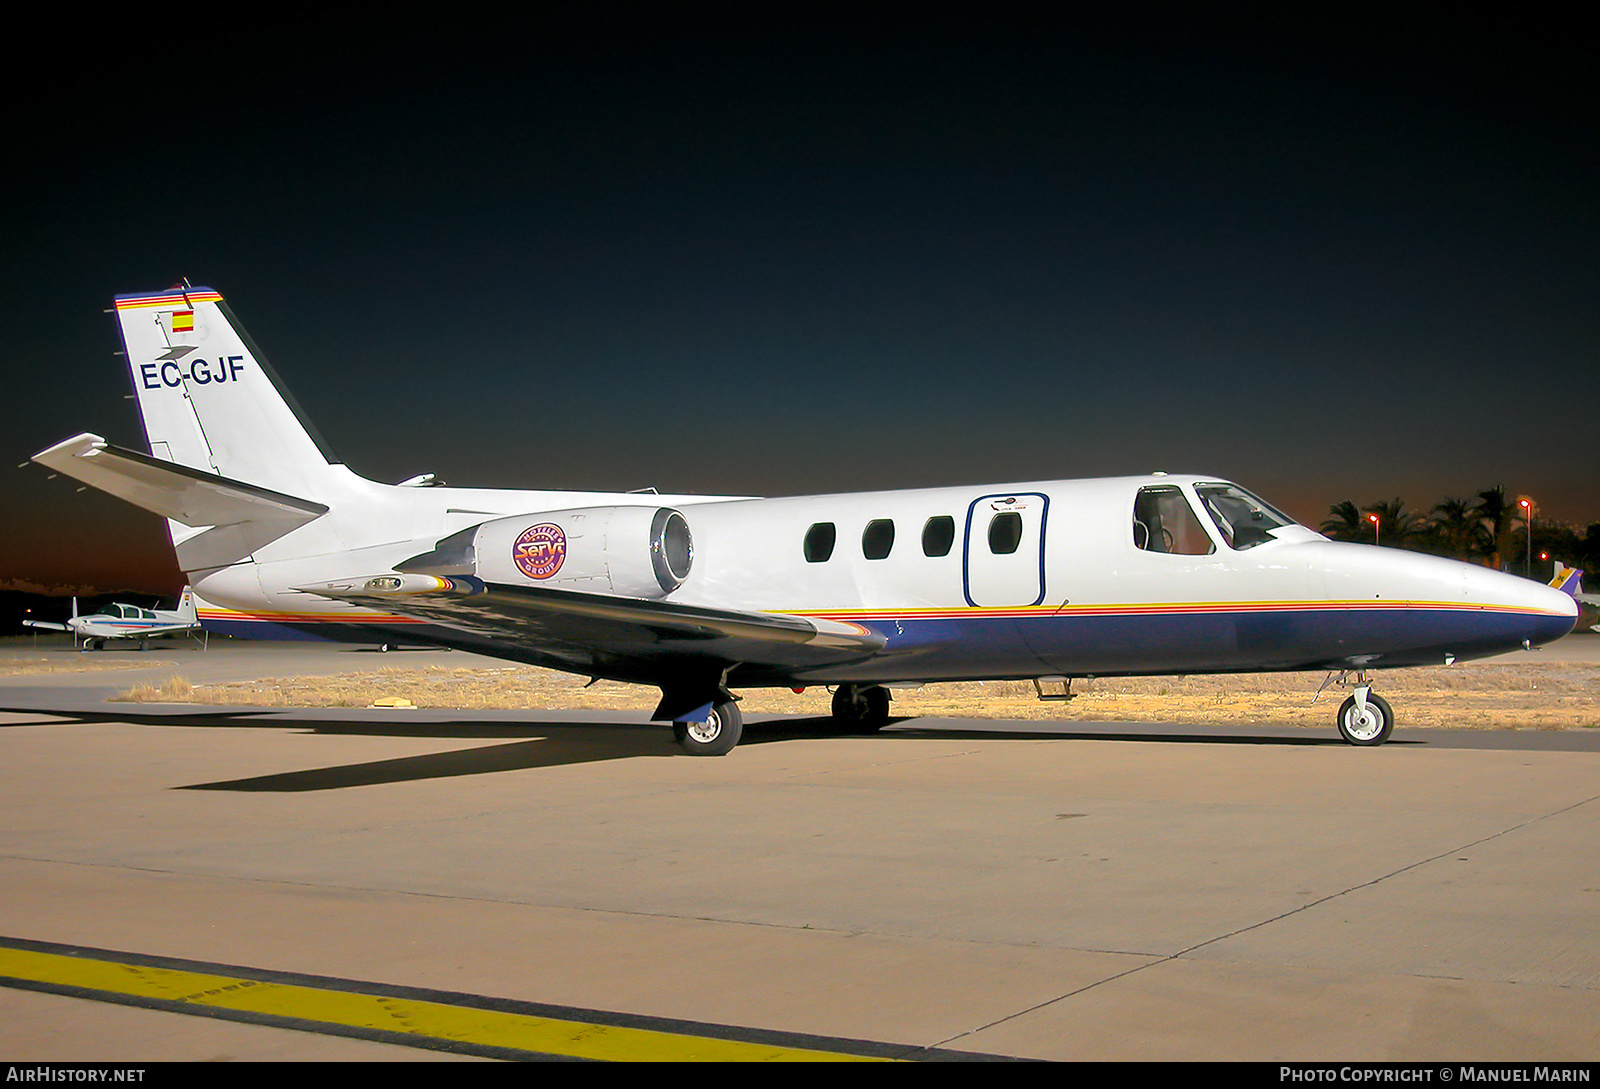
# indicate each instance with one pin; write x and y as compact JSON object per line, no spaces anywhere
{"x":208,"y":398}
{"x":1569,"y":580}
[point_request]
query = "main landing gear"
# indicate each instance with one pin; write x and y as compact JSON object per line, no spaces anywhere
{"x":1364,"y":718}
{"x":716,"y":736}
{"x":859,"y":708}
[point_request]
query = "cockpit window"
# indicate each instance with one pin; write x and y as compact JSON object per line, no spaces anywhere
{"x":1164,"y":522}
{"x":1244,"y":520}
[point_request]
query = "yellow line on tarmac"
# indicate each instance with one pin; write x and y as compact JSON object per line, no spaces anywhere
{"x":429,"y":1024}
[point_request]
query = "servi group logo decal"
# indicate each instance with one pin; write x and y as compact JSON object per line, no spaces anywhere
{"x":540,"y":551}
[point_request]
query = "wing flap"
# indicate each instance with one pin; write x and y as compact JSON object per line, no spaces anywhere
{"x":190,"y":496}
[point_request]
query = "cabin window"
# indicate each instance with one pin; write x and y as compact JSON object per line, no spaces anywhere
{"x":1243,"y":520}
{"x":1163,"y":521}
{"x":878,"y":538}
{"x":819,"y":542}
{"x":1005,"y":533}
{"x":938,"y":535}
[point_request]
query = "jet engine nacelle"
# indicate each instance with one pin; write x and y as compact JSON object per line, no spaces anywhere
{"x":632,"y":551}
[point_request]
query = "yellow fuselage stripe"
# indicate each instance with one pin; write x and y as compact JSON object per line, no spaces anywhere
{"x":430,"y":1022}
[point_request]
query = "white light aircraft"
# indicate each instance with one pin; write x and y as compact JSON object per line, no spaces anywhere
{"x":126,"y":622}
{"x":699,"y":596}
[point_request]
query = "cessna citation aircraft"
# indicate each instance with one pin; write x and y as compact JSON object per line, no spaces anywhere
{"x":700,"y":596}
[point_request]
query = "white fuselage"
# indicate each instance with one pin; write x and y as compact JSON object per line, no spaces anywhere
{"x":1074,"y":595}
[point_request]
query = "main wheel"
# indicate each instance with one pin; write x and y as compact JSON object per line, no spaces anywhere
{"x":716,"y":736}
{"x":861,"y":707}
{"x":1369,"y":727}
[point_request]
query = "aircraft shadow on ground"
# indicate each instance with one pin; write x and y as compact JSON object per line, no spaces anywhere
{"x":534,"y":744}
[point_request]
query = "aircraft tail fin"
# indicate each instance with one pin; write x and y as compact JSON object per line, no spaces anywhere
{"x":208,"y":397}
{"x":187,"y":611}
{"x":1569,"y":580}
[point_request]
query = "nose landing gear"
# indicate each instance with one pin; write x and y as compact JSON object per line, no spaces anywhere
{"x":1364,"y":718}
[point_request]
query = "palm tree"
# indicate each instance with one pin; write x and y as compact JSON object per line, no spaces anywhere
{"x":1345,"y":523}
{"x":1495,"y":514}
{"x":1396,"y":525}
{"x":1459,"y":529}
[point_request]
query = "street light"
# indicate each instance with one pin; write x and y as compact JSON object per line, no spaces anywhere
{"x":1526,"y":503}
{"x":1373,"y":518}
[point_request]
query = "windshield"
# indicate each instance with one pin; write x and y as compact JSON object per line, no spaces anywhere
{"x":1245,"y":521}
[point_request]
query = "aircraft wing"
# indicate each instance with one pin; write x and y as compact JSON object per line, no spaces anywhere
{"x":598,"y":632}
{"x":164,"y":629}
{"x":190,"y":496}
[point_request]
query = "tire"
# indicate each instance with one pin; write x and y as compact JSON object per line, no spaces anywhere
{"x":716,"y":736}
{"x":858,"y":708}
{"x":1373,"y":728}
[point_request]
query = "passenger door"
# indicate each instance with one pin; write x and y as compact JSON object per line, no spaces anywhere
{"x":1003,"y":553}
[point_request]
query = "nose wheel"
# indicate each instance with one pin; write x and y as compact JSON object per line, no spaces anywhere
{"x":1365,"y":719}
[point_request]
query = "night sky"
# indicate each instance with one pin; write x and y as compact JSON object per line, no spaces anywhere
{"x":1346,"y":258}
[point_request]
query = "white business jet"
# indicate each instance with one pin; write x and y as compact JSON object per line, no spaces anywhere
{"x":700,"y":596}
{"x":126,"y":622}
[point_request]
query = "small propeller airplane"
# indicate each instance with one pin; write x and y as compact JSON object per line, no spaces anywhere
{"x":126,"y":622}
{"x":702,"y":595}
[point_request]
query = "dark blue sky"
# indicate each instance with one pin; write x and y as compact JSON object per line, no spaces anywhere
{"x":1353,"y":257}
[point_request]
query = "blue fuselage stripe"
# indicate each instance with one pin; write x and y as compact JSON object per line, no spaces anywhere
{"x":973,"y":643}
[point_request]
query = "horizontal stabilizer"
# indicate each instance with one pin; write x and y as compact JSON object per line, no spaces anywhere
{"x":584,"y":630}
{"x":191,"y":496}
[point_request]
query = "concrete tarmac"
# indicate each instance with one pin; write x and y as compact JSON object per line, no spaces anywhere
{"x":1052,"y":890}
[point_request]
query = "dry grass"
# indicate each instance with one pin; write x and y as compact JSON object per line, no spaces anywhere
{"x":1479,"y":696}
{"x":80,"y":663}
{"x":172,"y":690}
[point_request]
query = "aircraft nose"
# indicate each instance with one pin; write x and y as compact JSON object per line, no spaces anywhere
{"x":1543,"y":613}
{"x":1454,"y":610}
{"x":1552,"y":613}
